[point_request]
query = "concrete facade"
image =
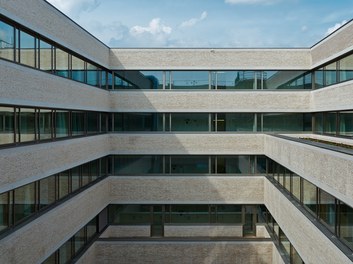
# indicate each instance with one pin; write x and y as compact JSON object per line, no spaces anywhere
{"x":39,"y":238}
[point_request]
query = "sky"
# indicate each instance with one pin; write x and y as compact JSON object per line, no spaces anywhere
{"x":208,"y":23}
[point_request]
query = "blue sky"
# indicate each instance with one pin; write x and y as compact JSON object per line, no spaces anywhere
{"x":208,"y":23}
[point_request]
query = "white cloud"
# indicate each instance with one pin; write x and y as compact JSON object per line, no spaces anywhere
{"x":155,"y":27}
{"x":75,"y":7}
{"x":335,"y":27}
{"x":191,"y":22}
{"x":250,"y":2}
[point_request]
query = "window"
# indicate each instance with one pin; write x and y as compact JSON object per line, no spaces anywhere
{"x":7,"y":130}
{"x":61,"y":63}
{"x":190,"y":122}
{"x":346,"y":68}
{"x":24,"y":201}
{"x":190,"y":80}
{"x":27,"y":124}
{"x":45,"y":56}
{"x":61,"y":123}
{"x":27,"y":49}
{"x":78,"y":69}
{"x":7,"y":41}
{"x":309,"y":196}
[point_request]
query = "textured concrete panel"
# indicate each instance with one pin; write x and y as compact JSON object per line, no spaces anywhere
{"x":329,"y":170}
{"x":206,"y":59}
{"x":51,"y":23}
{"x":187,"y":143}
{"x":333,"y":98}
{"x":261,"y":231}
{"x":333,"y":46}
{"x":127,"y":231}
{"x":37,"y":240}
{"x":186,"y":190}
{"x":89,"y":257}
{"x":184,"y":252}
{"x":313,"y":246}
{"x":21,"y":85}
{"x":210,"y":101}
{"x":22,"y":165}
{"x":171,"y":230}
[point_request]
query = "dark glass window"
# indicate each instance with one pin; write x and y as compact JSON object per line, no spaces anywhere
{"x":296,"y":186}
{"x":77,"y":123}
{"x":7,"y":132}
{"x":319,"y":119}
{"x":189,"y":164}
{"x":79,"y":240}
{"x":233,"y":164}
{"x":233,"y":80}
{"x":236,"y":122}
{"x":61,"y":123}
{"x":47,"y":191}
{"x":346,"y":123}
{"x":24,"y":201}
{"x":319,"y":78}
{"x":190,"y":213}
{"x":63,"y":184}
{"x":138,"y":122}
{"x":346,"y":68}
{"x":75,"y":178}
{"x":27,"y":124}
{"x":151,"y":80}
{"x":346,"y":224}
{"x":331,"y":74}
{"x":65,"y":252}
{"x":92,"y":75}
{"x":138,"y":164}
{"x":309,"y":196}
{"x":286,"y":122}
{"x":92,"y":122}
{"x":330,"y":122}
{"x":4,"y":210}
{"x":327,"y":209}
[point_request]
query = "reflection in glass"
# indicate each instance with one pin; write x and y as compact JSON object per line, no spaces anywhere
{"x":233,"y":164}
{"x":330,"y":121}
{"x":296,"y":187}
{"x":65,"y":252}
{"x":330,"y":74}
{"x":27,"y":124}
{"x":46,"y":191}
{"x":77,"y":123}
{"x":286,"y":122}
{"x":45,"y":56}
{"x":309,"y":196}
{"x":346,"y":68}
{"x":138,"y":164}
{"x":190,"y":80}
{"x":346,"y":224}
{"x":78,"y":69}
{"x":190,"y":122}
{"x":45,"y":124}
{"x":233,"y":80}
{"x":189,"y":164}
{"x":4,"y":210}
{"x":27,"y":49}
{"x":24,"y":201}
{"x":319,"y":119}
{"x":63,"y":182}
{"x":286,"y":80}
{"x":7,"y":132}
{"x":92,"y":75}
{"x":319,"y":78}
{"x":79,"y":240}
{"x":61,"y":123}
{"x":61,"y":63}
{"x":76,"y":178}
{"x":346,"y":123}
{"x":152,"y":79}
{"x":92,"y":228}
{"x":327,"y":209}
{"x":236,"y":122}
{"x":7,"y":41}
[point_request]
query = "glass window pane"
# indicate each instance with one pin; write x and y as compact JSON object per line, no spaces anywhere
{"x":121,"y":83}
{"x":24,"y":203}
{"x":231,"y":214}
{"x":189,"y":164}
{"x":129,"y":214}
{"x":331,"y":74}
{"x":45,"y":56}
{"x":346,"y":224}
{"x":319,"y":122}
{"x":286,"y":80}
{"x":138,"y":164}
{"x":63,"y":182}
{"x":61,"y":123}
{"x":190,"y":80}
{"x":78,"y":123}
{"x":233,"y":164}
{"x":27,"y":52}
{"x":309,"y":196}
{"x":4,"y":210}
{"x":346,"y":123}
{"x":327,"y":209}
{"x":346,"y":68}
{"x":7,"y":41}
{"x":65,"y":252}
{"x":86,"y":173}
{"x":78,"y":69}
{"x":140,"y":122}
{"x":284,"y":242}
{"x":319,"y":78}
{"x":286,"y":122}
{"x":61,"y":63}
{"x":287,"y":180}
{"x":330,"y":120}
{"x":233,"y":80}
{"x":236,"y":122}
{"x":190,"y":122}
{"x":45,"y":124}
{"x":296,"y":186}
{"x":92,"y":122}
{"x":79,"y":240}
{"x":149,"y":80}
{"x":92,"y":75}
{"x":91,"y":228}
{"x":190,"y":213}
{"x":27,"y":124}
{"x":7,"y":132}
{"x":46,"y":191}
{"x":294,"y":256}
{"x":75,"y":178}
{"x":261,"y":165}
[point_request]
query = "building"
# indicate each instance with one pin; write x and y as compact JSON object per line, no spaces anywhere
{"x":171,"y":155}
